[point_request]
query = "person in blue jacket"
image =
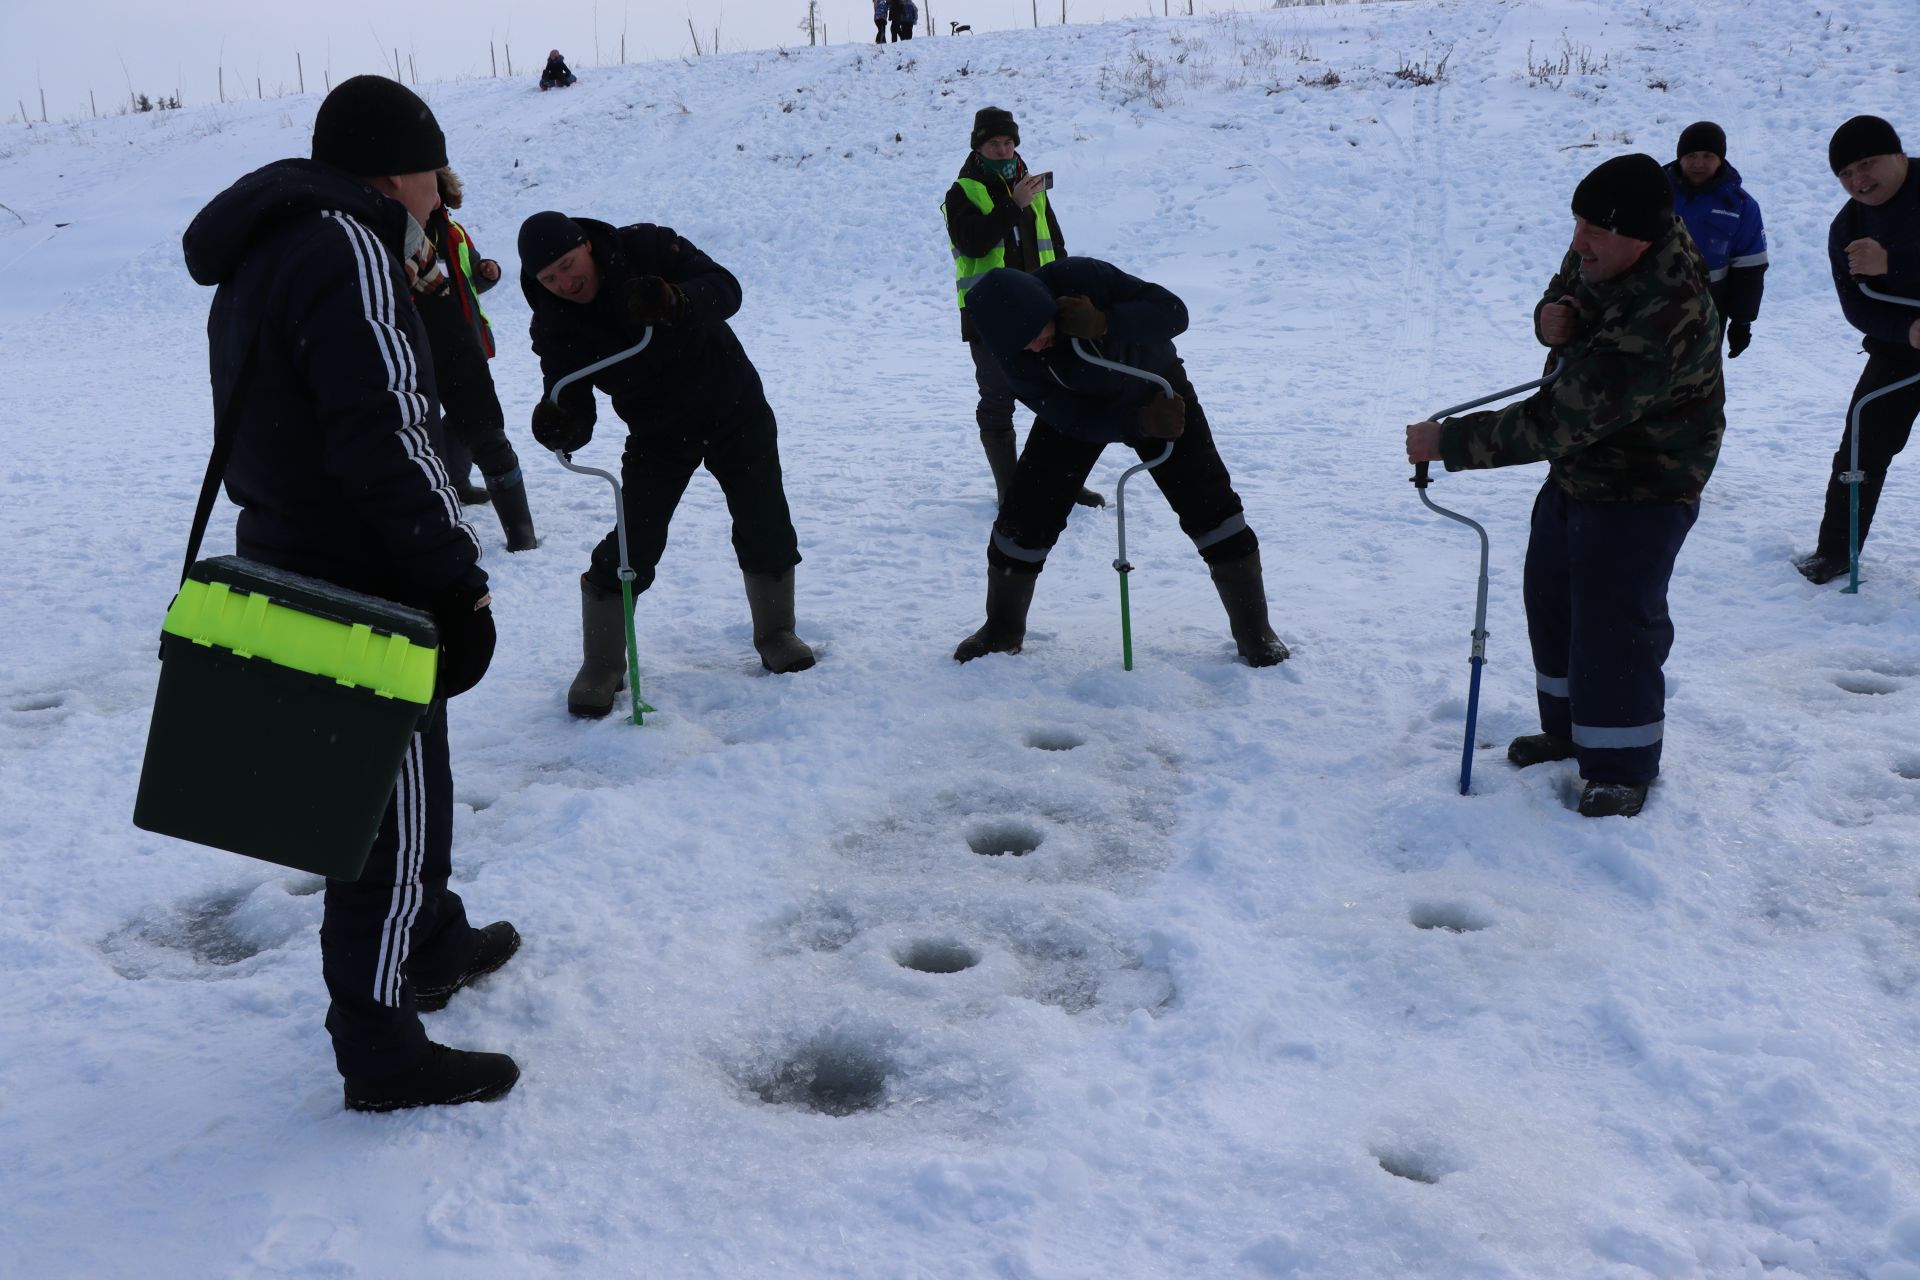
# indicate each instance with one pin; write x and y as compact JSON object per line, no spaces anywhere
{"x":1875,"y":239}
{"x":1028,"y":323}
{"x":1725,"y":224}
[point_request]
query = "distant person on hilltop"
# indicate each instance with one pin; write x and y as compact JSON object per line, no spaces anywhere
{"x":1027,"y":324}
{"x":1725,"y":224}
{"x":999,"y":215}
{"x":555,"y":74}
{"x":903,"y":16}
{"x":462,"y":342}
{"x":1874,"y":238}
{"x":321,"y":358}
{"x":1631,"y":431}
{"x":691,"y":398}
{"x":882,"y":15}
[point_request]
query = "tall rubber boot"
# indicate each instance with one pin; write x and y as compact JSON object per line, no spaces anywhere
{"x":1009,"y":596}
{"x":510,"y":504}
{"x":1244,"y":594}
{"x":1003,"y":457}
{"x":770,"y":597}
{"x":603,"y":646}
{"x":460,"y":467}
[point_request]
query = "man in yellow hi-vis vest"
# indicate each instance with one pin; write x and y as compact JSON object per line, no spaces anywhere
{"x":999,"y":215}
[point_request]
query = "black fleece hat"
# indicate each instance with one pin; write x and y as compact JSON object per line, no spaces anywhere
{"x":1628,"y":195}
{"x":545,"y":238}
{"x":1009,"y":309}
{"x":994,"y":122}
{"x":1859,"y":138}
{"x":373,"y":126}
{"x":1703,"y":135}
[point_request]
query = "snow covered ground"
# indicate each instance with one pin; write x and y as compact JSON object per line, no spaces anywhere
{"x":1267,"y":998}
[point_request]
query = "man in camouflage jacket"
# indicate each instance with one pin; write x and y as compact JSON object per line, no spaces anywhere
{"x":1630,"y":430}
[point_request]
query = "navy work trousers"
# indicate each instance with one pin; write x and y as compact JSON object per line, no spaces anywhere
{"x":1596,"y":594}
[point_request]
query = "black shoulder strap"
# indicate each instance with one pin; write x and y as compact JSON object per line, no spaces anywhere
{"x":217,"y":464}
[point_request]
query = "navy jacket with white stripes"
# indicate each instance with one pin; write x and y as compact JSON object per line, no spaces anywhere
{"x":1725,"y":223}
{"x":334,"y":463}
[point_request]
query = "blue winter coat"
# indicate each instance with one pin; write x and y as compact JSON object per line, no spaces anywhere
{"x":1081,"y":400}
{"x":1724,"y":222}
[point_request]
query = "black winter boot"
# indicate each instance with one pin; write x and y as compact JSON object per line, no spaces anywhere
{"x":1009,"y":596}
{"x":460,"y":468}
{"x":1530,"y":749}
{"x":442,"y":1078}
{"x":510,"y":504}
{"x":1612,"y":799}
{"x":1002,"y":456}
{"x":603,"y":647}
{"x":1819,"y":567}
{"x":497,"y":943}
{"x":1244,"y":593}
{"x":770,"y":598}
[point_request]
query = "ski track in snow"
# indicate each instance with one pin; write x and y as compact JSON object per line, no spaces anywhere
{"x":1262,"y":996}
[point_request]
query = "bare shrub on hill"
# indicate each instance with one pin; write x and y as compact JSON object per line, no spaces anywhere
{"x":1574,"y":60}
{"x":1142,"y":78}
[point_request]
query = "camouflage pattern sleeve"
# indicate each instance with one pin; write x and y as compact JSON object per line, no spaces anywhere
{"x":1559,"y":287}
{"x":1616,"y":380}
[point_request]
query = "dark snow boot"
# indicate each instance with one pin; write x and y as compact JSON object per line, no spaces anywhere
{"x":1530,"y":749}
{"x":1612,"y":799}
{"x":1009,"y":596}
{"x":497,"y":943}
{"x":603,"y":647}
{"x":770,"y":598}
{"x":1244,"y":594}
{"x":510,"y":504}
{"x":1003,"y":457}
{"x":1821,"y":568}
{"x":460,"y":469}
{"x":442,"y":1078}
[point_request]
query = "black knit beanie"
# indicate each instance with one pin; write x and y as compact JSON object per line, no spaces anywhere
{"x":1628,"y":195}
{"x":376,"y":127}
{"x":545,"y":238}
{"x":1704,"y":135}
{"x":993,"y":122}
{"x":1859,"y":138}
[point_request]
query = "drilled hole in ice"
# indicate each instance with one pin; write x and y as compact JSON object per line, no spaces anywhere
{"x":831,"y":1076}
{"x":938,"y":957}
{"x":1868,"y":683}
{"x":1001,"y":838}
{"x":1054,"y":740}
{"x":1453,"y":917}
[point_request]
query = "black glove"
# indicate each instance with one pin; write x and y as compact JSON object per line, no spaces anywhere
{"x":1163,"y":417}
{"x":559,"y":430}
{"x":651,"y":300}
{"x":465,"y":617}
{"x":1739,"y":336}
{"x":1077,"y":317}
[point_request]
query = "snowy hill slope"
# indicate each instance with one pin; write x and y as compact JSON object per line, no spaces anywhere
{"x":1267,"y":998}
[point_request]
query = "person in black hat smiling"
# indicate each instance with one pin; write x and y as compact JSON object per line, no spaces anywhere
{"x":1875,"y":238}
{"x":324,"y":381}
{"x":692,"y":398}
{"x":1630,"y":430}
{"x":1725,"y":223}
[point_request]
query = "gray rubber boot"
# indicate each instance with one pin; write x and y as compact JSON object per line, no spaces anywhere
{"x":1009,"y":596}
{"x":603,"y":646}
{"x":1244,"y":593}
{"x":510,"y":504}
{"x":770,"y":597}
{"x":460,"y":468}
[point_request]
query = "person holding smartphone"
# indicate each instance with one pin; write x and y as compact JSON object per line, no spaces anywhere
{"x":999,"y":215}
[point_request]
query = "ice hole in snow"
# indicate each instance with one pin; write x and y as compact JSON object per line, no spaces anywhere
{"x":938,"y":957}
{"x":1453,"y":917}
{"x":1862,"y":682}
{"x":1054,"y":740}
{"x":1410,"y":1165}
{"x":832,"y":1076}
{"x":1004,"y":838}
{"x":1909,"y":768}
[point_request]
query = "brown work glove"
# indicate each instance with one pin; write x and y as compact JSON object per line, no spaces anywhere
{"x":1163,"y":418}
{"x":1077,"y":317}
{"x":651,"y":300}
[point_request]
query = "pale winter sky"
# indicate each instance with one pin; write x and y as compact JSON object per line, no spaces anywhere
{"x":115,"y":47}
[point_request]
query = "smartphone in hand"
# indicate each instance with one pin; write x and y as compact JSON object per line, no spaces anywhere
{"x":1046,"y":180}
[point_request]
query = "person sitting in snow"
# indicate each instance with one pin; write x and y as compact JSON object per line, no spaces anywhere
{"x":1027,"y":323}
{"x":1725,"y":224}
{"x":1875,"y":238}
{"x":1631,"y":430}
{"x":690,"y":398}
{"x":555,"y":74}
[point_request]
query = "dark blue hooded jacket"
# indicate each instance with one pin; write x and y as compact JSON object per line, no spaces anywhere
{"x":333,"y":465}
{"x":1078,"y":399}
{"x":1726,"y":227}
